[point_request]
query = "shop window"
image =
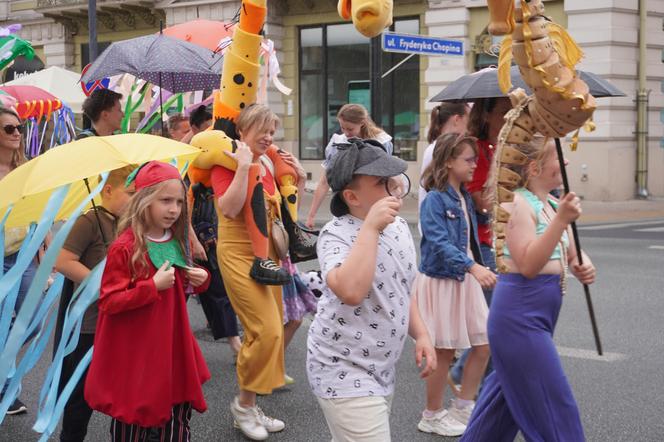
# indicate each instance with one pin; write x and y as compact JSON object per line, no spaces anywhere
{"x":334,"y":70}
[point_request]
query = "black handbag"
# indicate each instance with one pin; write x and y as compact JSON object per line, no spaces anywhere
{"x":301,"y":240}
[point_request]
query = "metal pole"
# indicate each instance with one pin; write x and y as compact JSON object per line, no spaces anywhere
{"x":92,"y":28}
{"x":92,"y":45}
{"x":577,"y":243}
{"x":375,"y":72}
{"x":642,"y":108}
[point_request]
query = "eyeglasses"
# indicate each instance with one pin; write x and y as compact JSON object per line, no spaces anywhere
{"x":10,"y":128}
{"x":397,"y":186}
{"x":471,"y":160}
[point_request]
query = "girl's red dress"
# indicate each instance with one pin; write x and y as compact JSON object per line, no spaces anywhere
{"x":145,"y":358}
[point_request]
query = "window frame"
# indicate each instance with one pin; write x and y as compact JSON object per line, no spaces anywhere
{"x":323,"y":72}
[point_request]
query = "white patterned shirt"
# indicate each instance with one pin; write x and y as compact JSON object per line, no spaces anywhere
{"x":352,"y":350}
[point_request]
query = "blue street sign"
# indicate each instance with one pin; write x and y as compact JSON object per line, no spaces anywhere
{"x":420,"y":44}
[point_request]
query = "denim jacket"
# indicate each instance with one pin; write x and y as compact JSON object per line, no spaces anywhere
{"x":444,"y":235}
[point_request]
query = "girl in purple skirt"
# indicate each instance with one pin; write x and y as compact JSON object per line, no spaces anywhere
{"x":528,"y":390}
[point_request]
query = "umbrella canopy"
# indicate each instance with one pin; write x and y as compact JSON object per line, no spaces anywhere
{"x":32,"y":101}
{"x":205,"y":33}
{"x":12,"y":46}
{"x":176,"y":65}
{"x":60,"y":82}
{"x":484,"y":84}
{"x":29,"y":186}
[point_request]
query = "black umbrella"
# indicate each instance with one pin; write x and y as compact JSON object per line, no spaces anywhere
{"x":484,"y":84}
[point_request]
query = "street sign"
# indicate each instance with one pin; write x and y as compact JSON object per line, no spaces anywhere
{"x":90,"y":87}
{"x":420,"y":44}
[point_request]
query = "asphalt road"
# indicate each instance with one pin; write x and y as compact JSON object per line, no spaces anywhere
{"x":620,"y":395}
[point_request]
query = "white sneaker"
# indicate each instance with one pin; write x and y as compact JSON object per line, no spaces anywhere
{"x":462,"y":414}
{"x":249,"y":421}
{"x":441,"y":424}
{"x":271,"y":424}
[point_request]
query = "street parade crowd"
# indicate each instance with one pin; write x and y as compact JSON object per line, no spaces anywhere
{"x":487,"y":336}
{"x":480,"y":306}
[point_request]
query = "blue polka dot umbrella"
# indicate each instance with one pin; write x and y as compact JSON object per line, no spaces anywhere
{"x":175,"y":65}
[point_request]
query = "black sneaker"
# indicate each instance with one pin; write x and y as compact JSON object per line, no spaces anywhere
{"x":266,"y":271}
{"x":17,"y":407}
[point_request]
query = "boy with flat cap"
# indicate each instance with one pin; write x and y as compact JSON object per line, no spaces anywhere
{"x":368,"y":263}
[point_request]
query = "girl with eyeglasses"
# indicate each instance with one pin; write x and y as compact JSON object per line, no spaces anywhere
{"x":448,"y":289}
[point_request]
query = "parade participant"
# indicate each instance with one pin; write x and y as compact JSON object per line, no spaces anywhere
{"x":147,"y":369}
{"x":528,"y":390}
{"x":260,"y":363}
{"x":484,"y":123}
{"x":355,"y":122}
{"x":445,"y":118}
{"x":448,"y":290}
{"x":199,"y":120}
{"x":103,"y":109}
{"x":85,"y":247}
{"x":367,"y":258}
{"x":12,"y":156}
{"x":238,"y":91}
{"x":178,"y":126}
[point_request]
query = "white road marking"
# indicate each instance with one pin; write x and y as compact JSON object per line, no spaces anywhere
{"x":591,"y":355}
{"x":620,"y":225}
{"x":656,"y":247}
{"x":651,"y":229}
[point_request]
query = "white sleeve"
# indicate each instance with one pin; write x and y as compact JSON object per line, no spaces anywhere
{"x":332,"y":249}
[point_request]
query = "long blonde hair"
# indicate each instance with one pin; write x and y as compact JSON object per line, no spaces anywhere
{"x":448,"y":147}
{"x":18,"y":157}
{"x":136,"y":217}
{"x":357,"y":114}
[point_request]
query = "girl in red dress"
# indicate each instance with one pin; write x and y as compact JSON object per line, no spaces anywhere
{"x":147,"y":369}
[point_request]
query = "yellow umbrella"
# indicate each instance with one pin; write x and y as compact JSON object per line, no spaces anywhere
{"x":29,"y":186}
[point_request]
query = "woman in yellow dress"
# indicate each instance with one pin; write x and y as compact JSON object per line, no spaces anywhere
{"x":260,"y":362}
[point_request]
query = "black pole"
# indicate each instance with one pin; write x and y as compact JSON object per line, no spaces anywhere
{"x":92,"y":29}
{"x":92,"y":45}
{"x":577,"y":243}
{"x":161,"y":95}
{"x":375,"y":73}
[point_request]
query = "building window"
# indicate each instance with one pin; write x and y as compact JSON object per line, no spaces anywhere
{"x":334,"y":70}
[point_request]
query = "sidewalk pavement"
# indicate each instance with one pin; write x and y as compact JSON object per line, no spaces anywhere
{"x":594,"y":212}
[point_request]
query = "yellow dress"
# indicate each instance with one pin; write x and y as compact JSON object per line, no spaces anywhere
{"x":260,"y":363}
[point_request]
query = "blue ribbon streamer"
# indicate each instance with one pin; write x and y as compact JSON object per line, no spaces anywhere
{"x":51,"y":404}
{"x":23,"y":325}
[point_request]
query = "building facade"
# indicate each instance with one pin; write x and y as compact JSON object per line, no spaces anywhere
{"x":326,"y":62}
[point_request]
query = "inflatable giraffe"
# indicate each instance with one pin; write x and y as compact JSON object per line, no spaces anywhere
{"x":560,"y":104}
{"x":239,"y":87}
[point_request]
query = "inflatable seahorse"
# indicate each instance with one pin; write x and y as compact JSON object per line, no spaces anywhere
{"x":561,"y":102}
{"x":370,"y":17}
{"x":239,"y":85}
